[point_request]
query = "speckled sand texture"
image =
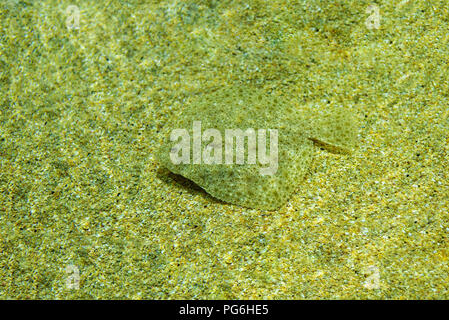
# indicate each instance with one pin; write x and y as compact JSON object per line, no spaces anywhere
{"x":81,"y":117}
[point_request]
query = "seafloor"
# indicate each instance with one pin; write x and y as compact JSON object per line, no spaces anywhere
{"x":81,"y":113}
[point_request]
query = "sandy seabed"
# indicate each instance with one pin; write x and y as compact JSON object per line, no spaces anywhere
{"x":82,"y":106}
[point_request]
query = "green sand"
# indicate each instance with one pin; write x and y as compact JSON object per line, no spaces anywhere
{"x":81,"y":117}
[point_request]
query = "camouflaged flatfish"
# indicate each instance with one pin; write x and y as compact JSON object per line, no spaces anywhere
{"x":251,"y":184}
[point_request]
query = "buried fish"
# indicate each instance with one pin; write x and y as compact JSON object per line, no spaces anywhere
{"x":250,"y":148}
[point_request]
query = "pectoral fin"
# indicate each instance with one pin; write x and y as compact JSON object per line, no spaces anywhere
{"x":331,"y":127}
